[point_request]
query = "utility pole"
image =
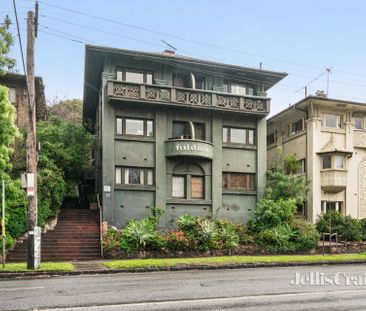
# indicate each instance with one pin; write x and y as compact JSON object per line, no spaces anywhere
{"x":31,"y":144}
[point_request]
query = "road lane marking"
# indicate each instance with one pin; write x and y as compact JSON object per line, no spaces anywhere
{"x":21,"y":288}
{"x":199,"y":300}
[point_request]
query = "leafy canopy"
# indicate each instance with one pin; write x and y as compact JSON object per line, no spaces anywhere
{"x":6,"y":41}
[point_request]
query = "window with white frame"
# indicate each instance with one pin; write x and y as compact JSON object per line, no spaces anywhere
{"x":328,"y":206}
{"x":359,"y":120}
{"x":134,"y":176}
{"x":135,"y":127}
{"x":332,"y":121}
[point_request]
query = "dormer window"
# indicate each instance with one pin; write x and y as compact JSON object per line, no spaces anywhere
{"x":140,"y":77}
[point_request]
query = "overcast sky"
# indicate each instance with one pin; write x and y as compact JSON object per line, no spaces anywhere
{"x":302,"y":38}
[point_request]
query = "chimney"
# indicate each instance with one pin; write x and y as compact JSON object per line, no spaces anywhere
{"x":170,"y":52}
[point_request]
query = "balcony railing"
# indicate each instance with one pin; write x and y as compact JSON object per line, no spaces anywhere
{"x":189,"y":147}
{"x":333,"y":181}
{"x":187,"y":97}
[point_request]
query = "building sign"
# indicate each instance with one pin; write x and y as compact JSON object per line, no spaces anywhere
{"x":190,"y":147}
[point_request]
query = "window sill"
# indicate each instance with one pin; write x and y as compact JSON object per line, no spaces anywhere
{"x":239,"y":146}
{"x":134,"y":187}
{"x":135,"y":138}
{"x":333,"y":129}
{"x":294,"y":136}
{"x":240,"y":192}
{"x":188,"y":201}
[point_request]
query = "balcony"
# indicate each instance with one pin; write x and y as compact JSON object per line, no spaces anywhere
{"x":189,"y":147}
{"x":187,"y":97}
{"x":333,"y":181}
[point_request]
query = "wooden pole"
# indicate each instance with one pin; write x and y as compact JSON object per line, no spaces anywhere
{"x":31,"y":141}
{"x":3,"y":222}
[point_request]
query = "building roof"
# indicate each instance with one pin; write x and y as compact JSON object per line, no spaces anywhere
{"x":305,"y":102}
{"x":94,"y":57}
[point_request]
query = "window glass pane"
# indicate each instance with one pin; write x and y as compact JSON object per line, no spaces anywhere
{"x":225,"y":86}
{"x":271,"y":138}
{"x":150,"y":177}
{"x":180,"y":80}
{"x":238,"y":89}
{"x":119,"y":75}
{"x":134,"y":176}
{"x":234,"y":181}
{"x":358,"y":123}
{"x":134,"y":127}
{"x":197,"y":187}
{"x":237,"y":136}
{"x":224,"y":134}
{"x":250,"y":137}
{"x":149,"y":78}
{"x":250,"y":91}
{"x":331,"y":120}
{"x":135,"y":77}
{"x":119,"y":126}
{"x":118,"y":175}
{"x":149,"y":128}
{"x":339,"y":161}
{"x":250,"y":182}
{"x":327,"y":161}
{"x":178,"y":187}
{"x":200,"y":82}
{"x":296,"y":127}
{"x":12,"y":95}
{"x":199,"y":129}
{"x":178,"y":129}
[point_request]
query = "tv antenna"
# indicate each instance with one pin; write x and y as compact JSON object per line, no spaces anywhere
{"x":169,"y":45}
{"x":305,"y":88}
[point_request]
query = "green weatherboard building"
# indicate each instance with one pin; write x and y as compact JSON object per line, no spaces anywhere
{"x":176,"y":132}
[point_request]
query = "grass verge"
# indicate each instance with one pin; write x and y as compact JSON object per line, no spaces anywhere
{"x":228,"y":260}
{"x":45,"y":266}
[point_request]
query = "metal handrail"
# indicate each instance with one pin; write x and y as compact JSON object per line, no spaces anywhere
{"x":100,"y":225}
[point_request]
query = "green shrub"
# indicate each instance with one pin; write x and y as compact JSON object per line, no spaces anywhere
{"x":229,"y":236}
{"x":187,"y":223}
{"x":276,"y":239}
{"x":208,"y":234}
{"x":141,"y":235}
{"x":270,"y":213}
{"x":363,"y":228}
{"x":305,"y":236}
{"x":155,"y":215}
{"x":348,"y":229}
{"x":111,"y":240}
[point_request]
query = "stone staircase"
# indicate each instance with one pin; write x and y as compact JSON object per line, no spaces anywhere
{"x":76,"y":237}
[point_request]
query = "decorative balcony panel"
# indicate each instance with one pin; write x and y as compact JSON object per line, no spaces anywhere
{"x":333,"y":181}
{"x":187,"y":97}
{"x":359,"y":139}
{"x":189,"y":147}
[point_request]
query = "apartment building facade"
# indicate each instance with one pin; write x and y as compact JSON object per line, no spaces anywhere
{"x":175,"y":132}
{"x":328,"y":137}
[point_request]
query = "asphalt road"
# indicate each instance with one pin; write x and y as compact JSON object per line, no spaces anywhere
{"x":243,"y":289}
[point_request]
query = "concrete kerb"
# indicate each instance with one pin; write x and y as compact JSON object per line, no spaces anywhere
{"x":47,"y":274}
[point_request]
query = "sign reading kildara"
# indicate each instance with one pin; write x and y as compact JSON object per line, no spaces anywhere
{"x":190,"y":147}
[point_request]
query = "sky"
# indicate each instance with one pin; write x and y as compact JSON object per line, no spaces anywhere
{"x":302,"y":38}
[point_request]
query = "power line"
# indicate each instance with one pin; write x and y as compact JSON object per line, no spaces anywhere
{"x":177,"y":37}
{"x":20,"y":40}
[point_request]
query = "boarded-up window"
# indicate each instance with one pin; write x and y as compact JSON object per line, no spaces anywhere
{"x":197,"y":187}
{"x":238,"y":181}
{"x":12,"y":95}
{"x":178,"y":189}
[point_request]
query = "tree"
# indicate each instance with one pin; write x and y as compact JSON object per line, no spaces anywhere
{"x":8,"y":130}
{"x":282,"y":183}
{"x":67,"y":110}
{"x":6,"y":41}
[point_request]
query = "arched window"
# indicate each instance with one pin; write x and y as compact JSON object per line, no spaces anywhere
{"x":188,"y":182}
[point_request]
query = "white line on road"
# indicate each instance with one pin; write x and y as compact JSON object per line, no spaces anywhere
{"x":21,"y":288}
{"x":202,"y":300}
